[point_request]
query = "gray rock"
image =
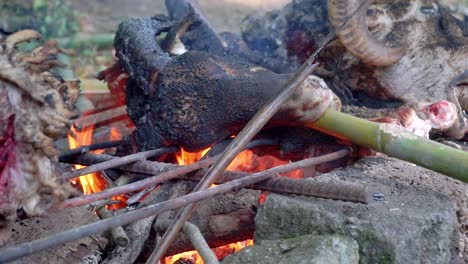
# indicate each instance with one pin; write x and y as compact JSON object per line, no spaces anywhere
{"x":402,"y":224}
{"x":309,"y":249}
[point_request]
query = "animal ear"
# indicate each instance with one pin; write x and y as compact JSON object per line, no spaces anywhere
{"x":349,"y":19}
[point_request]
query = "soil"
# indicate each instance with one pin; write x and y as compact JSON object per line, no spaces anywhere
{"x":225,"y":15}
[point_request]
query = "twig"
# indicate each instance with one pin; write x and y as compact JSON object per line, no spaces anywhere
{"x":140,"y":230}
{"x":180,"y":170}
{"x":117,"y":162}
{"x":26,"y":249}
{"x":85,"y":149}
{"x":246,"y":135}
{"x":198,"y":242}
{"x":100,"y":117}
{"x":344,"y":192}
{"x":118,"y":233}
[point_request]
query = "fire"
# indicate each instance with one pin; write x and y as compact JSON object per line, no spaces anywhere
{"x":245,"y":161}
{"x":185,"y":157}
{"x":92,"y":182}
{"x":220,"y":252}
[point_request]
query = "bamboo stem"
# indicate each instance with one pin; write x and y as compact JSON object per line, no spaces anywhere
{"x":397,"y":142}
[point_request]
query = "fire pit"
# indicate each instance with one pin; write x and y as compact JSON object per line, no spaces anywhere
{"x":211,"y":144}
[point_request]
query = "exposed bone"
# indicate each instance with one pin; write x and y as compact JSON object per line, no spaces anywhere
{"x":349,"y":20}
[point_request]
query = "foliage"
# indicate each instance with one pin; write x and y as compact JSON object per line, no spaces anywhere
{"x":52,"y":18}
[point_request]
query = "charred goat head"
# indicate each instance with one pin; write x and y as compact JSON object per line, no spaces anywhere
{"x":414,"y":49}
{"x":406,"y":50}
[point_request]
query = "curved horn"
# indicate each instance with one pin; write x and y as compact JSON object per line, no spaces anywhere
{"x":348,"y":17}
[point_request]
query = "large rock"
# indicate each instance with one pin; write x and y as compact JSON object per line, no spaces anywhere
{"x":309,"y":249}
{"x":403,"y":224}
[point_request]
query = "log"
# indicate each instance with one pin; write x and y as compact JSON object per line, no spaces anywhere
{"x":101,"y":118}
{"x":139,"y":231}
{"x":222,"y":220}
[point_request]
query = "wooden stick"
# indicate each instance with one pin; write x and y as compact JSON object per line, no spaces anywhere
{"x":239,"y":142}
{"x":180,"y":170}
{"x":85,"y":149}
{"x":118,"y":162}
{"x":100,"y":117}
{"x":198,"y":241}
{"x":26,"y":249}
{"x":279,"y":184}
{"x":118,"y":233}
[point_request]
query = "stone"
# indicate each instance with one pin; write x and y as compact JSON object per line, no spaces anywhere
{"x":401,"y":224}
{"x":308,"y":249}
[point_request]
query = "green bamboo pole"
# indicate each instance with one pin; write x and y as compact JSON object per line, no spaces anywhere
{"x":397,"y":142}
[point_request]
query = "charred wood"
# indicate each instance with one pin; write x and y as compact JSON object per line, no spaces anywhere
{"x":101,"y":118}
{"x":139,"y":231}
{"x":171,"y":171}
{"x":12,"y":253}
{"x":221,"y":220}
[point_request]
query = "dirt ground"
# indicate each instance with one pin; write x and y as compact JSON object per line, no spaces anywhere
{"x":225,"y":15}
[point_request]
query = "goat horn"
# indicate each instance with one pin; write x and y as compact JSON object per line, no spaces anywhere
{"x":21,"y":36}
{"x":348,"y":17}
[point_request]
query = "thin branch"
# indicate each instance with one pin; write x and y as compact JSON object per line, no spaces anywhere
{"x":198,"y":242}
{"x":118,"y":162}
{"x":118,"y":233}
{"x":100,"y":117}
{"x":279,"y":184}
{"x":26,"y":249}
{"x":85,"y":149}
{"x":165,"y":176}
{"x":239,"y":142}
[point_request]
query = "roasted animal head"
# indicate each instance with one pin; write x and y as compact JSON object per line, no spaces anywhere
{"x":413,"y":49}
{"x":417,"y":47}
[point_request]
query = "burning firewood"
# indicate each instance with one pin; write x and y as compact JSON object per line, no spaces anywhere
{"x":8,"y":254}
{"x":36,"y":107}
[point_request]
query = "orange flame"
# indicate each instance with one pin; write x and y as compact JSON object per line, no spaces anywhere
{"x":92,"y":182}
{"x":220,"y":252}
{"x":245,"y":161}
